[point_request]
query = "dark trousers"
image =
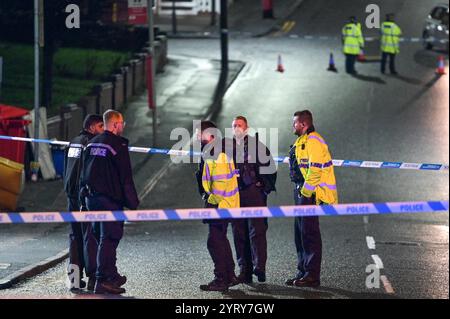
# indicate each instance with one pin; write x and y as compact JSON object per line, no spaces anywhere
{"x":308,"y":243}
{"x":249,"y":234}
{"x":110,"y":234}
{"x":220,"y":250}
{"x":350,"y":60}
{"x":82,"y":243}
{"x":384,"y":58}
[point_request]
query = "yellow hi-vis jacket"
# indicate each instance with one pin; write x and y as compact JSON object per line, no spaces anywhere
{"x":219,"y":180}
{"x":390,"y":37}
{"x":352,"y":39}
{"x":316,"y":166}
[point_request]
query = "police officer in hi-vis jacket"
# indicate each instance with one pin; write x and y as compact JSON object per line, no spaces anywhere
{"x":312,"y":172}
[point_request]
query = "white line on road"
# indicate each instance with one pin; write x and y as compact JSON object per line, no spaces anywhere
{"x":387,"y":285}
{"x":154,"y":180}
{"x":378,"y":262}
{"x":370,"y":242}
{"x":162,"y":172}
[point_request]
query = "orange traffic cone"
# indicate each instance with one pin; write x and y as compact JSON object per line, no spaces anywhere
{"x":441,"y":66}
{"x":331,"y":65}
{"x":280,"y":67}
{"x":361,"y":56}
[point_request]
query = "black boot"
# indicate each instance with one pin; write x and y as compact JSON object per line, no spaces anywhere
{"x":260,"y":274}
{"x":215,"y":285}
{"x":107,"y":287}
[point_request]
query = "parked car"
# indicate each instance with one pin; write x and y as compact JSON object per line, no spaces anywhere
{"x":435,"y":32}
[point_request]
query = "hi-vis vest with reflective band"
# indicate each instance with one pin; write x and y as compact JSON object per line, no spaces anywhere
{"x":220,"y":182}
{"x":390,"y":37}
{"x":353,"y":39}
{"x":316,"y":167}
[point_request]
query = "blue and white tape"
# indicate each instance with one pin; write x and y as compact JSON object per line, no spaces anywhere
{"x":234,"y":213}
{"x":368,"y":39}
{"x":337,"y":162}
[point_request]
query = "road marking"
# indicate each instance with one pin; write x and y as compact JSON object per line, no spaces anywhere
{"x":290,"y":26}
{"x":284,"y":26}
{"x":4,"y":266}
{"x":366,"y":219}
{"x":370,"y":242}
{"x":387,"y":285}
{"x":377,"y":261}
{"x":157,"y":177}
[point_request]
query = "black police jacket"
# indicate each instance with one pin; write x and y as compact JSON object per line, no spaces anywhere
{"x":72,"y":163}
{"x":107,"y":169}
{"x":255,"y":164}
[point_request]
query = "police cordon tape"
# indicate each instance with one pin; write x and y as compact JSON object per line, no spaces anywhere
{"x":368,"y":39}
{"x":232,"y":213}
{"x":336,"y":162}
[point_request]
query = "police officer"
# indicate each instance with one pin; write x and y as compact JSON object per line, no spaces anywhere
{"x":390,"y":43}
{"x":312,"y":172}
{"x":83,"y":244}
{"x":257,"y":178}
{"x":218,"y":186}
{"x":353,"y":43}
{"x":107,"y":183}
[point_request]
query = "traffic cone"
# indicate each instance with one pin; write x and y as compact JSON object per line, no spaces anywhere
{"x":280,"y":67}
{"x":441,"y":66}
{"x":332,"y":66}
{"x":361,"y":56}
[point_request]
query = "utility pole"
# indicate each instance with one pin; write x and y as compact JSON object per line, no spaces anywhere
{"x":213,"y":12}
{"x":174,"y":17}
{"x":151,"y":70}
{"x":224,"y":34}
{"x":37,"y":11}
{"x":221,"y":86}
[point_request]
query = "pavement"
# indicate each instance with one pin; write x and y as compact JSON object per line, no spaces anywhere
{"x":186,"y":92}
{"x":368,"y":117}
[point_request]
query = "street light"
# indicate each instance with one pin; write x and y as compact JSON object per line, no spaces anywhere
{"x":38,"y":6}
{"x":151,"y":70}
{"x":224,"y":34}
{"x":174,"y":17}
{"x":213,"y":12}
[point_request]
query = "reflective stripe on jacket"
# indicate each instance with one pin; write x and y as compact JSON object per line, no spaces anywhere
{"x":390,"y":38}
{"x":316,"y":166}
{"x":219,"y":180}
{"x":353,"y":40}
